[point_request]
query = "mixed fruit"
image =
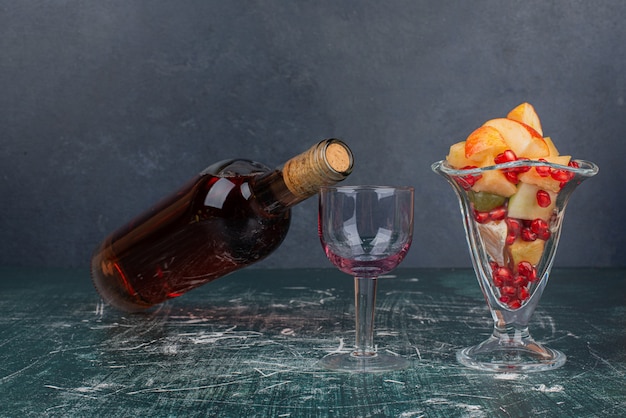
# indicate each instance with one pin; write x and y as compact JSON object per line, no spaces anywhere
{"x":513,"y":207}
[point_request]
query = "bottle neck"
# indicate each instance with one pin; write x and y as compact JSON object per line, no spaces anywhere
{"x":272,"y":193}
{"x":324,"y":164}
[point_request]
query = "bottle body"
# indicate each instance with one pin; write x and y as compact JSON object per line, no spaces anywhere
{"x":233,"y":214}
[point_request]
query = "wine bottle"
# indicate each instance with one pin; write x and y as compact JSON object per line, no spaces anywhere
{"x":231,"y":215}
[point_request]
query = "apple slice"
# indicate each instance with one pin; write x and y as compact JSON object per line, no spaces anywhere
{"x":526,"y":114}
{"x":522,"y":139}
{"x":484,"y":144}
{"x":551,"y":147}
{"x":456,"y":156}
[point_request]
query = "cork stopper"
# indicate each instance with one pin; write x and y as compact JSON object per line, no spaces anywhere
{"x":326,"y":163}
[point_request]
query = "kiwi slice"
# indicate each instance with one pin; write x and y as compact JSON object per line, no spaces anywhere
{"x":484,"y":202}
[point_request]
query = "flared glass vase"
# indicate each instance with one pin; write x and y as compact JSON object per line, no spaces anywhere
{"x":512,"y":242}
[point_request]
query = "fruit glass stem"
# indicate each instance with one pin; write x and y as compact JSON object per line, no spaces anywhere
{"x":512,"y":285}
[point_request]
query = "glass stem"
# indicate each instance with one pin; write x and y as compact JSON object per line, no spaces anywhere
{"x":511,"y":334}
{"x":364,"y":301}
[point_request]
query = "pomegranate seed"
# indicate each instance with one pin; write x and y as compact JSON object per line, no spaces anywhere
{"x":511,"y":176}
{"x":528,"y":234}
{"x":505,"y":157}
{"x":461,"y":182}
{"x":540,"y":228}
{"x":522,"y":168}
{"x":466,"y":182}
{"x":523,"y":293}
{"x":508,"y":290}
{"x":545,"y":235}
{"x":497,"y":281}
{"x":514,"y":228}
{"x":543,"y":170}
{"x":514,"y":304}
{"x":543,"y":198}
{"x":503,"y":275}
{"x":574,"y":164}
{"x":498,"y":213}
{"x":560,"y":175}
{"x":524,"y":268}
{"x":471,"y":180}
{"x":510,"y":238}
{"x":505,"y":299}
{"x":537,"y":225}
{"x":514,"y":225}
{"x":520,"y":280}
{"x":527,"y":270}
{"x":481,"y":217}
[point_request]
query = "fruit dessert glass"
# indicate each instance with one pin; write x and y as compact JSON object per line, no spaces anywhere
{"x":513,"y":187}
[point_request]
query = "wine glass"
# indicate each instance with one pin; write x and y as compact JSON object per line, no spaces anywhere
{"x":365,"y":231}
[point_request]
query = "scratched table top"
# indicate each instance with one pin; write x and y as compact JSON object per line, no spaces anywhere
{"x":249,"y":345}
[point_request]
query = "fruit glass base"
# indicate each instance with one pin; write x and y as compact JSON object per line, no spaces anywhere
{"x":375,"y":363}
{"x":521,"y":357}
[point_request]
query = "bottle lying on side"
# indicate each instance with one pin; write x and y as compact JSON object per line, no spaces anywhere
{"x":233,"y":214}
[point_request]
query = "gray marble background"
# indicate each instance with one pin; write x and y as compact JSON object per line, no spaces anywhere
{"x":107,"y":106}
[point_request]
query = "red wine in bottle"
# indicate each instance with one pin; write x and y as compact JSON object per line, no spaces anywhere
{"x":231,"y":215}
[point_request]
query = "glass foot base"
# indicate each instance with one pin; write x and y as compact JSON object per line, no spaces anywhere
{"x":377,"y":363}
{"x":523,"y":357}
